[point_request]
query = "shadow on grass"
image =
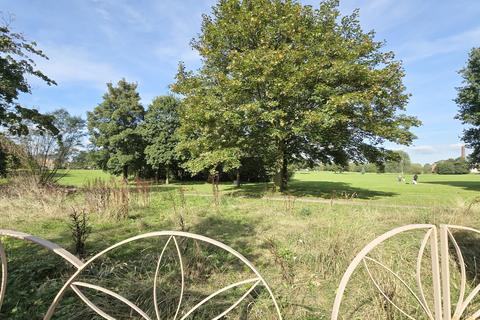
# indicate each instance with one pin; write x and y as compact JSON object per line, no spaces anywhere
{"x":327,"y":190}
{"x":319,"y":189}
{"x":469,"y":244}
{"x":466,"y":185}
{"x":237,"y":234}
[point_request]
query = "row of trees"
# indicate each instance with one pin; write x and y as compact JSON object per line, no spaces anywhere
{"x":280,"y":84}
{"x":399,"y":162}
{"x":286,"y":84}
{"x":452,"y":166}
{"x":127,"y":138}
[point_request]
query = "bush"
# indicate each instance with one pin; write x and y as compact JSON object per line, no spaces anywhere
{"x":416,"y":168}
{"x":452,"y":166}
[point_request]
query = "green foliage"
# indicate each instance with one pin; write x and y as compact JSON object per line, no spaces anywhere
{"x":289,"y":83}
{"x":71,"y":131}
{"x":468,"y":100}
{"x":16,"y":69}
{"x":452,"y":166}
{"x":113,"y":129}
{"x":427,"y":168}
{"x":43,"y":153}
{"x":416,"y":168}
{"x":159,"y":132}
{"x":399,"y":163}
{"x":85,"y":159}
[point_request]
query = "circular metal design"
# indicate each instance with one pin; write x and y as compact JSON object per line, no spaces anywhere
{"x":172,"y":238}
{"x":440,"y":240}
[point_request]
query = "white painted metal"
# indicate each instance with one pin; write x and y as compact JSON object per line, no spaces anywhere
{"x":76,"y":286}
{"x":439,"y":239}
{"x":172,"y":234}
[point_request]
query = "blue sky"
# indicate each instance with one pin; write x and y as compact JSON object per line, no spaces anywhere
{"x":91,"y":42}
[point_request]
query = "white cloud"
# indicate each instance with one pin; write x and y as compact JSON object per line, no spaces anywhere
{"x":72,"y":64}
{"x":421,"y":49}
{"x":438,"y":150}
{"x":422,"y":149}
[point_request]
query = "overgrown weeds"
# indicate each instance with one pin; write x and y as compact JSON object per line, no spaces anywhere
{"x":179,"y":205}
{"x":81,"y":229}
{"x":110,"y":198}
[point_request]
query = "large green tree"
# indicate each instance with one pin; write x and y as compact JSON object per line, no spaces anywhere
{"x":17,"y":67}
{"x":113,"y":127}
{"x":158,"y":129}
{"x":289,"y":83}
{"x":468,"y":100}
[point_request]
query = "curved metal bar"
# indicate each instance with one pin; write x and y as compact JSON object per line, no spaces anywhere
{"x":463,"y":276}
{"x":233,"y":285}
{"x":400,"y":279}
{"x":183,"y":278}
{"x":419,"y":270}
{"x":362,"y":254}
{"x":155,"y":281}
{"x":110,"y":293}
{"x":383,"y":293}
{"x":89,"y":303}
{"x":60,"y":294}
{"x":233,"y":306}
{"x":3,"y":285}
{"x":476,"y":290}
{"x":45,"y":244}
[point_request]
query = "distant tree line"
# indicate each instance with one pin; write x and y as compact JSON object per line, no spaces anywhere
{"x":402,"y":165}
{"x":452,"y":166}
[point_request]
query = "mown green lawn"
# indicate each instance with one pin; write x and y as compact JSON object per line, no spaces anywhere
{"x":78,"y":177}
{"x":432,"y":189}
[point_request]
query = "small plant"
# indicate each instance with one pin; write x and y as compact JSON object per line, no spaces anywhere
{"x":143,"y":188}
{"x":216,"y":193}
{"x":80,"y":230}
{"x":289,"y":203}
{"x":111,"y":198}
{"x":179,"y":205}
{"x":305,"y":212}
{"x":284,"y":259}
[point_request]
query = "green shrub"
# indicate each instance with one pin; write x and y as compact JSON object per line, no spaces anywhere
{"x":452,"y":166}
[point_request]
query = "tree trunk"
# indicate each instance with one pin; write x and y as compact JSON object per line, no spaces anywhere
{"x":167,"y":174}
{"x":237,"y":181}
{"x":125,"y":173}
{"x":281,"y":178}
{"x":284,"y":174}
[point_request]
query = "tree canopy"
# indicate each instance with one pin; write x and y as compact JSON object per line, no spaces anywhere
{"x":468,"y":100}
{"x":113,"y":129}
{"x":158,"y":130}
{"x":289,"y":83}
{"x":16,"y":66}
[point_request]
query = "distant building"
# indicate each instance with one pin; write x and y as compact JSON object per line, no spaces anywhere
{"x":462,"y":152}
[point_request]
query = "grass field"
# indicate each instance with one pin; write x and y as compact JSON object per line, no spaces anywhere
{"x":301,"y":247}
{"x":432,"y":190}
